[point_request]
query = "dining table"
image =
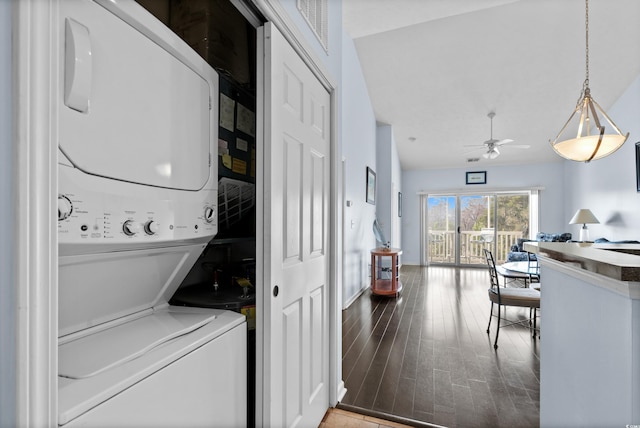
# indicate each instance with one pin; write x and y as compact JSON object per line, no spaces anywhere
{"x":525,"y":271}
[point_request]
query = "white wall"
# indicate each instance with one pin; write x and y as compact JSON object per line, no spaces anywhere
{"x":550,"y":176}
{"x":384,"y":140}
{"x":358,"y":133}
{"x":608,"y":186}
{"x":396,"y":176}
{"x":7,"y":291}
{"x":389,"y":184}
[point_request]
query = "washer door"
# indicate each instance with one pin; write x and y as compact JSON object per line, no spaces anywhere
{"x":137,"y":104}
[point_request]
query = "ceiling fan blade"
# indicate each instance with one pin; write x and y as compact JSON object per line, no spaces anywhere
{"x":506,"y":141}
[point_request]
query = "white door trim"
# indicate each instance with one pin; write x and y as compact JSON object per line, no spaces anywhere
{"x":35,"y":236}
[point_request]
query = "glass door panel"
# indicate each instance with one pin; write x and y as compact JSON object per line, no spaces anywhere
{"x":477,"y":228}
{"x":441,"y":227}
{"x":512,"y":222}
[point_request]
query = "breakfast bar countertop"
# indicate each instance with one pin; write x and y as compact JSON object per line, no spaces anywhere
{"x":619,"y":262}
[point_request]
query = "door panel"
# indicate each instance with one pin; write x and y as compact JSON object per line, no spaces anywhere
{"x":292,"y":185}
{"x":296,"y":201}
{"x":318,"y":206}
{"x":477,"y":228}
{"x":318,"y":359}
{"x":441,"y":220}
{"x":291,"y":361}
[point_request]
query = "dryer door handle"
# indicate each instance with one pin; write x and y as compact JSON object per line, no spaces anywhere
{"x":78,"y":66}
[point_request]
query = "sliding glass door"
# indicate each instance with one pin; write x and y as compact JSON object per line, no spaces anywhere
{"x":460,"y":226}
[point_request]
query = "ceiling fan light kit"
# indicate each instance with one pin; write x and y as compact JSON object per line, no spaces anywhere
{"x":588,"y":145}
{"x":492,"y":153}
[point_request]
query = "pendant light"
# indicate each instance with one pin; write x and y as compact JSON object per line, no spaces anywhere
{"x":591,"y":142}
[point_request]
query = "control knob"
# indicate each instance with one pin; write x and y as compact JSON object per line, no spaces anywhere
{"x":209,"y":214}
{"x":151,"y":227}
{"x":65,"y":207}
{"x":130,"y":228}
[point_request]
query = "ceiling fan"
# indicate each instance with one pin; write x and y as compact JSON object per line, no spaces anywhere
{"x":491,"y":145}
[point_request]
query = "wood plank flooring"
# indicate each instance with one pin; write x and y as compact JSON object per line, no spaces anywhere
{"x":426,"y":355}
{"x":339,"y":418}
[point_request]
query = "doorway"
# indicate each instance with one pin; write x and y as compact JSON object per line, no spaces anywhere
{"x":461,"y":226}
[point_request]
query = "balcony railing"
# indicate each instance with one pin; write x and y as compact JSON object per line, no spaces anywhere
{"x":442,"y":244}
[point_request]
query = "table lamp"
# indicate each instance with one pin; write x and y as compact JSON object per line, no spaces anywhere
{"x":584,"y":216}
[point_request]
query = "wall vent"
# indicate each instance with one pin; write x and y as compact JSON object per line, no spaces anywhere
{"x":470,"y":160}
{"x":315,"y":13}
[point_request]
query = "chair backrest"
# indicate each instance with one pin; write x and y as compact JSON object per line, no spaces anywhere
{"x":534,"y":267}
{"x":533,"y":262}
{"x":493,"y":274}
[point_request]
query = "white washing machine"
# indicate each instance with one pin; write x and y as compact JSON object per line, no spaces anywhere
{"x":137,"y":205}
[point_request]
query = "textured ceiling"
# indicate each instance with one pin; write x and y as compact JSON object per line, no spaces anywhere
{"x":435,"y":69}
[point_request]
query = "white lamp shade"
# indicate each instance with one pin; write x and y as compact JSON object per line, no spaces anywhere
{"x":584,"y":216}
{"x":582,"y":149}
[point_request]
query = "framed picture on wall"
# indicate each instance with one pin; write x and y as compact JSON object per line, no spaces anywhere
{"x":371,"y":186}
{"x":638,"y":166}
{"x":476,"y":177}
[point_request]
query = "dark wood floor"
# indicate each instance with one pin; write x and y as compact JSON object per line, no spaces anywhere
{"x":426,"y":355}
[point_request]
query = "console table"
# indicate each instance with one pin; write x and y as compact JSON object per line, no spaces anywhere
{"x":385,"y":280}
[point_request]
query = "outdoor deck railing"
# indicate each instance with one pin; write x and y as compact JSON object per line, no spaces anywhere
{"x":441,"y":246}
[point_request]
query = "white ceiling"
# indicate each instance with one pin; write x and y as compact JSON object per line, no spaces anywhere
{"x":435,"y":69}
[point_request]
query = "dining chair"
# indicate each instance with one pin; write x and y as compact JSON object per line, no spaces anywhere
{"x":535,"y":268}
{"x":508,"y":296}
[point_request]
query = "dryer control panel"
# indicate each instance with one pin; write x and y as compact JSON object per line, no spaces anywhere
{"x":105,"y":211}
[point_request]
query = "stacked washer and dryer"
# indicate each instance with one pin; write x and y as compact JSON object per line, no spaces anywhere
{"x":137,"y":205}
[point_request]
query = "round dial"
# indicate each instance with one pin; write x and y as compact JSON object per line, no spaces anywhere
{"x":151,"y":227}
{"x":65,"y":207}
{"x":209,"y":214}
{"x":130,"y":228}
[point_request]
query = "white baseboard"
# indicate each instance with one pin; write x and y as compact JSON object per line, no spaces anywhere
{"x":355,"y":296}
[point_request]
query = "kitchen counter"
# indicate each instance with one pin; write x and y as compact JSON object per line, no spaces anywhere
{"x":590,"y":329}
{"x":619,"y":262}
